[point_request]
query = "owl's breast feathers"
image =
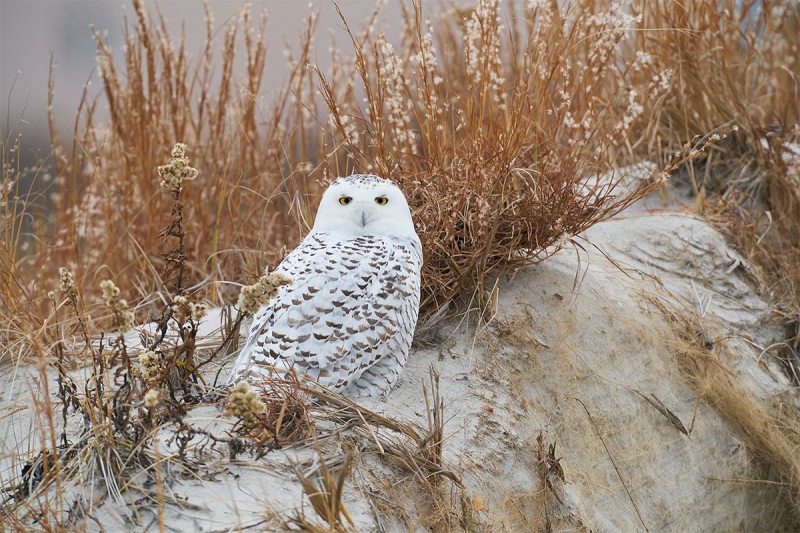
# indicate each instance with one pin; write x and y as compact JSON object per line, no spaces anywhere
{"x":352,"y":303}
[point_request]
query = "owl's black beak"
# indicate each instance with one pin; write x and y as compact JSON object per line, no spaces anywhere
{"x":363,"y":219}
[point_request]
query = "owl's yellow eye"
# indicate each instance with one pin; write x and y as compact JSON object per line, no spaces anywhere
{"x":344,"y":200}
{"x":380,"y":200}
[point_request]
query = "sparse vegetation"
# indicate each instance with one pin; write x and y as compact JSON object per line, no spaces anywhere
{"x":506,"y":128}
{"x":745,"y":71}
{"x":770,"y":438}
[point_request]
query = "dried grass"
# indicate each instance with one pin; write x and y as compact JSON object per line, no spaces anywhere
{"x":435,"y":491}
{"x":492,"y":130}
{"x":326,"y":495}
{"x":739,"y":62}
{"x":120,"y":404}
{"x":283,"y":414}
{"x":770,"y":439}
{"x":236,"y":217}
{"x":735,"y":63}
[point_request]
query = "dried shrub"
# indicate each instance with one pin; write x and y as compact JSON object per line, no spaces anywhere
{"x":735,"y":63}
{"x":274,"y":411}
{"x":493,"y":130}
{"x":119,"y":403}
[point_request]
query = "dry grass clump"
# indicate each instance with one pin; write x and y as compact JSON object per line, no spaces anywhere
{"x":728,"y":62}
{"x":424,"y":491}
{"x":325,"y":495}
{"x":22,"y":227}
{"x":492,"y":126}
{"x":771,"y":440}
{"x":123,"y":406}
{"x":120,"y":404}
{"x":97,"y":434}
{"x":549,"y":470}
{"x":274,"y":412}
{"x":735,"y":63}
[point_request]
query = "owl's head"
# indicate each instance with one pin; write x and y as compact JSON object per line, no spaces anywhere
{"x":363,"y":204}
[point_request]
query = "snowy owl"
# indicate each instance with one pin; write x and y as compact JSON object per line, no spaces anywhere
{"x":348,"y":317}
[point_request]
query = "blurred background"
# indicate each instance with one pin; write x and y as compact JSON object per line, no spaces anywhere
{"x":32,"y":30}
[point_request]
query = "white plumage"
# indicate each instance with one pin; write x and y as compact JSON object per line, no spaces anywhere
{"x":348,"y":318}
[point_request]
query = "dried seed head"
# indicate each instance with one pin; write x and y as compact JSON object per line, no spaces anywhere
{"x":177,"y":170}
{"x":244,"y":403}
{"x":181,"y":308}
{"x":121,"y":318}
{"x":110,"y":290}
{"x":254,"y":297}
{"x":185,"y":309}
{"x":67,"y":283}
{"x":199,"y":310}
{"x":152,"y":397}
{"x":152,"y":365}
